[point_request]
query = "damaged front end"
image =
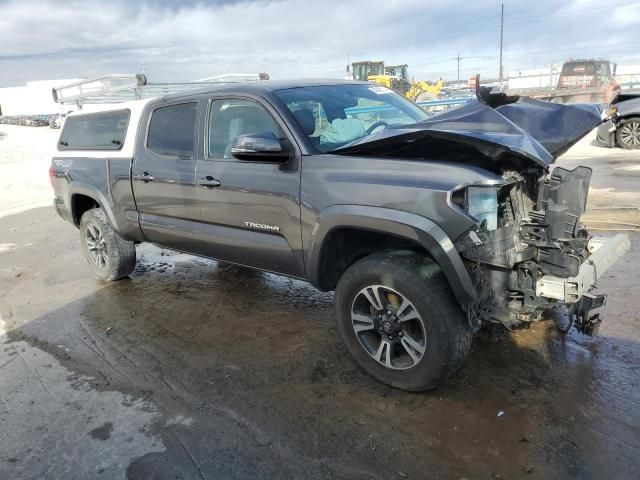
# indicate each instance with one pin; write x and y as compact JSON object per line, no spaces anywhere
{"x":527,"y":251}
{"x":538,"y":256}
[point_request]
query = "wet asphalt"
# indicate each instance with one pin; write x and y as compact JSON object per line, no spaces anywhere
{"x":195,"y":369}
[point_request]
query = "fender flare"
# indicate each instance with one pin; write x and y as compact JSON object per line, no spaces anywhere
{"x":402,"y":224}
{"x":77,"y":188}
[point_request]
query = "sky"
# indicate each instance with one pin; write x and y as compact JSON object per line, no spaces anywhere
{"x":185,"y":40}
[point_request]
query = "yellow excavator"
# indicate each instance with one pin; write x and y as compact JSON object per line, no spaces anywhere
{"x":396,"y":77}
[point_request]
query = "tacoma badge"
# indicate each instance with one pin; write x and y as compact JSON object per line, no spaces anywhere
{"x":262,"y":226}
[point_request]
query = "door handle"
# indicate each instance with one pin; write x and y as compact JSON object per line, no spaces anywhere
{"x":209,"y":182}
{"x":145,"y":177}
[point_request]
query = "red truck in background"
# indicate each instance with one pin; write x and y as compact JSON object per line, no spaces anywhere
{"x":586,"y":80}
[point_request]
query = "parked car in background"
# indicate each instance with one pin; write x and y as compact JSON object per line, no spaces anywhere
{"x":26,"y":120}
{"x":57,"y":120}
{"x":40,"y":121}
{"x":622,"y":129}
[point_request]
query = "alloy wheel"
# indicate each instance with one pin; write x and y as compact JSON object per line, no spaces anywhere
{"x":97,"y":246}
{"x":630,"y":134}
{"x":388,"y":327}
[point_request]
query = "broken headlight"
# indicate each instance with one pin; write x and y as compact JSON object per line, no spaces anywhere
{"x":480,"y":203}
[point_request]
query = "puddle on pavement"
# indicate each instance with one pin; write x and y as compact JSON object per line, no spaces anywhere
{"x":256,"y":360}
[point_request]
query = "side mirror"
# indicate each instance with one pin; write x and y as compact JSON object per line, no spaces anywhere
{"x":258,"y":147}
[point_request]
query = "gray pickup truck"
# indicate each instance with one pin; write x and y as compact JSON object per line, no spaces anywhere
{"x":425,"y":226}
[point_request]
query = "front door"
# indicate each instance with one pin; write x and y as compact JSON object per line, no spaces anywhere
{"x":250,"y":209}
{"x":163,"y":177}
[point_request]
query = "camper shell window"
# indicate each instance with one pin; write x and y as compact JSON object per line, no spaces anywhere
{"x":95,"y":131}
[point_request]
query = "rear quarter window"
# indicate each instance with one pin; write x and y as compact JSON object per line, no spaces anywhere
{"x":95,"y":131}
{"x":172,"y":129}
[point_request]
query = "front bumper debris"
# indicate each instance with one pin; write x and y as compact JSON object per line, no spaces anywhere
{"x":604,"y":253}
{"x":574,"y":291}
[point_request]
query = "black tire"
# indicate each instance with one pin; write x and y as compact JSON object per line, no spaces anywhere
{"x":109,"y":255}
{"x":628,"y":134}
{"x":419,"y":280}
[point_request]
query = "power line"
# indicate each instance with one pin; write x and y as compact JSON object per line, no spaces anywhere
{"x":478,"y":26}
{"x":523,"y":53}
{"x":488,"y":23}
{"x":468,"y":28}
{"x":527,"y":16}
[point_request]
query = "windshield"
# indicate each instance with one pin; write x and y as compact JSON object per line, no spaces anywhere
{"x":334,"y":115}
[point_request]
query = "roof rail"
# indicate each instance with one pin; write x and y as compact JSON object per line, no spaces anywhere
{"x":118,"y":88}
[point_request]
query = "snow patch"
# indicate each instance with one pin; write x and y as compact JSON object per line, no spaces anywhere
{"x":631,"y":168}
{"x":7,"y":247}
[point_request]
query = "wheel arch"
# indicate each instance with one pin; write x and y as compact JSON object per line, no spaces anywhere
{"x":410,"y":231}
{"x":635,"y":116}
{"x":83,"y":197}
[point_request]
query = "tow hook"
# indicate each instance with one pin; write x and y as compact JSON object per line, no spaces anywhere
{"x":583,"y":320}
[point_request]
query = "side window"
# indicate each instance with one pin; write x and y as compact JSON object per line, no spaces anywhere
{"x":171,"y":130}
{"x":95,"y":131}
{"x":232,"y":117}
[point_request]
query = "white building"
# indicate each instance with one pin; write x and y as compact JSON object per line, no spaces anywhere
{"x":34,"y":98}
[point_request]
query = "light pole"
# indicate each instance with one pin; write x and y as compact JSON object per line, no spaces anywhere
{"x":500,"y":76}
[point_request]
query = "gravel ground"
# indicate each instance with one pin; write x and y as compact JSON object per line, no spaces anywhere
{"x":195,"y":369}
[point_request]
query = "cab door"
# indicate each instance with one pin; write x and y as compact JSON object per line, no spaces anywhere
{"x":250,"y":209}
{"x":164,"y":177}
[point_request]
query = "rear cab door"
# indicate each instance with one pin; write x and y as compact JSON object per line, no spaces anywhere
{"x":163,"y":175}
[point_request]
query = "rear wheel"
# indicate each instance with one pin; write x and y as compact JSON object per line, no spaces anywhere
{"x":397,"y":317}
{"x":109,"y":255}
{"x":628,"y":134}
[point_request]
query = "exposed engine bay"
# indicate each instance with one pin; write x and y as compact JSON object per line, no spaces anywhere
{"x":539,"y":256}
{"x":537,"y":234}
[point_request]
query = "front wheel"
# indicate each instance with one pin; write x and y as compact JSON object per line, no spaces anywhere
{"x":628,"y":134}
{"x":110,"y":256}
{"x":397,"y":317}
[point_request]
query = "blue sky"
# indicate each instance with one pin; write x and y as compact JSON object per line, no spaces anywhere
{"x":181,"y":41}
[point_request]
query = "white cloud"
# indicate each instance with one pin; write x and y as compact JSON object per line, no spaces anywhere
{"x":292,"y":38}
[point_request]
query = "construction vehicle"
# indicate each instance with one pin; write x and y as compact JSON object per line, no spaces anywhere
{"x":585,"y":80}
{"x":396,"y":77}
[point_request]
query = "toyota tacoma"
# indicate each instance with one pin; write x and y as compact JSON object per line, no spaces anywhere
{"x":427,"y":227}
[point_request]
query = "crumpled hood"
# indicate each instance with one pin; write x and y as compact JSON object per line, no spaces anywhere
{"x":525,"y":132}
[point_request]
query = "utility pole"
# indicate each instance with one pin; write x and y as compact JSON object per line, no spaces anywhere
{"x":458,"y":59}
{"x":348,"y":58}
{"x":501,"y":76}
